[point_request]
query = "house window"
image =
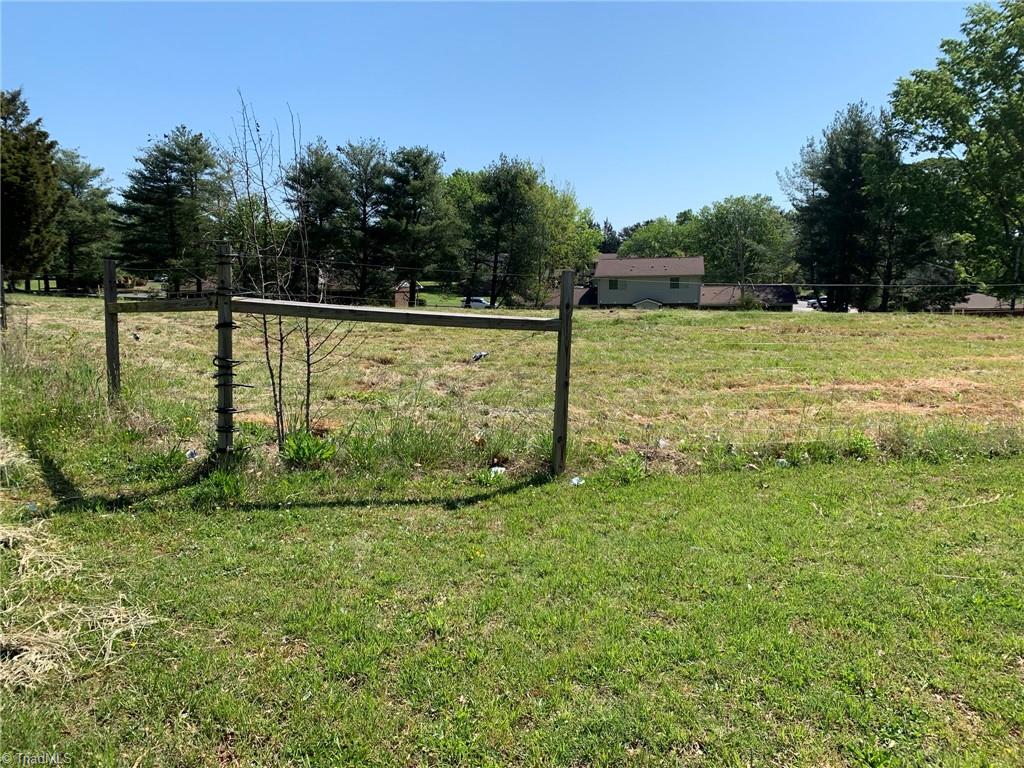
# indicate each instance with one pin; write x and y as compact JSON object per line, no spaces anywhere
{"x":673,"y":282}
{"x":613,"y":285}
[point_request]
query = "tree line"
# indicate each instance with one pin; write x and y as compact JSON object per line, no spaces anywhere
{"x":909,"y":206}
{"x":354,"y":219}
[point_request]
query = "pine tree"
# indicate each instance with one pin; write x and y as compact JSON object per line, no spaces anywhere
{"x":415,"y":218}
{"x":316,"y":191}
{"x":86,"y":223}
{"x":830,"y":194}
{"x":31,"y":196}
{"x":166,"y":214}
{"x":364,"y":164}
{"x":507,"y":189}
{"x":611,"y":241}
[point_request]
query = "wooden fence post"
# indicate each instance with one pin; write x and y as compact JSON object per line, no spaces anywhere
{"x":110,"y":329}
{"x":3,"y":300}
{"x":224,"y":362}
{"x":560,"y":431}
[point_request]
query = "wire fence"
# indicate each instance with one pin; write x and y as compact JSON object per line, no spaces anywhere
{"x":740,"y":389}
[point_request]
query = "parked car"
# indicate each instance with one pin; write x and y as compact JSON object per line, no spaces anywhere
{"x":476,"y":302}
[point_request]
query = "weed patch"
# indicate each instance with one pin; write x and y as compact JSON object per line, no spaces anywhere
{"x":304,"y":450}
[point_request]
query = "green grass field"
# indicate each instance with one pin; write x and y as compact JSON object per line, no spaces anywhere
{"x":798,"y":542}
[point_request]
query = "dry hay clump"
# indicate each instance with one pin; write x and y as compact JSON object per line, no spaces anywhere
{"x":37,"y":554}
{"x":67,"y":637}
{"x":39,"y":640}
{"x":16,"y":468}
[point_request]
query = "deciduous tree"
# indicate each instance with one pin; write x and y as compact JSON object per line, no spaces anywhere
{"x":970,"y":108}
{"x":658,"y":238}
{"x":743,"y":239}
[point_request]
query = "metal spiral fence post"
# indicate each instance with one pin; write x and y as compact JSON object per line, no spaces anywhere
{"x":224,"y":361}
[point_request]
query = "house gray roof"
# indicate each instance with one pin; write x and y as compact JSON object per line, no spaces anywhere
{"x":980,"y":301}
{"x":582,"y":296}
{"x":689,"y":266}
{"x":729,"y":295}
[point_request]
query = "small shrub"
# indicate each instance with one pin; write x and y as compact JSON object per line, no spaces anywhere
{"x":897,"y":441}
{"x":304,"y":449}
{"x":796,"y":454}
{"x":748,"y":301}
{"x":857,"y":445}
{"x":630,"y":468}
{"x":822,"y":451}
{"x":944,"y":443}
{"x":490,"y":478}
{"x":723,"y":455}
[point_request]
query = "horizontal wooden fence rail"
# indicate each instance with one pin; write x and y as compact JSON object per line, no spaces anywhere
{"x":164,"y":305}
{"x":344,"y":312}
{"x":225,"y":304}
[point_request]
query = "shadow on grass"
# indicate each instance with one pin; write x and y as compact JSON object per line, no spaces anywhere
{"x":70,"y":497}
{"x":448,"y":502}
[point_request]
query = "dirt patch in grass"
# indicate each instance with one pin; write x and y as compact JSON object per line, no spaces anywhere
{"x":962,"y":717}
{"x":946,"y":385}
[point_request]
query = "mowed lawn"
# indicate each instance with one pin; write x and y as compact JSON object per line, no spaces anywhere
{"x":848,"y":607}
{"x":829,"y":615}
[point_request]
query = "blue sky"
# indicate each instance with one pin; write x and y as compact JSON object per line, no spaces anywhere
{"x":644,"y":109}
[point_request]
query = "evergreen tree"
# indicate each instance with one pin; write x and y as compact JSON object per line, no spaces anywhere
{"x":829,"y":191}
{"x":898,"y":231}
{"x":507,"y":188}
{"x":316,"y":191}
{"x":31,"y":195}
{"x":415,"y":215}
{"x":167,"y":219}
{"x":365,"y":165}
{"x":468,"y":258}
{"x":86,"y":223}
{"x":611,"y":240}
{"x":627,"y":232}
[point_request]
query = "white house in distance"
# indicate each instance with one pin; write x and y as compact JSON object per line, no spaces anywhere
{"x":649,"y":283}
